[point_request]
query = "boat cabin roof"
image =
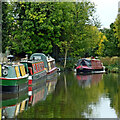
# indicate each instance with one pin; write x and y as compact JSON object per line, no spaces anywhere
{"x":88,"y":59}
{"x":39,"y":56}
{"x":35,"y":61}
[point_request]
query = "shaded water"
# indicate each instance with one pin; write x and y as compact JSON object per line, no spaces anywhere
{"x":82,"y":96}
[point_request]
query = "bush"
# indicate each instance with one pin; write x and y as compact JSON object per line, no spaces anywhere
{"x":107,"y":61}
{"x":111,"y":63}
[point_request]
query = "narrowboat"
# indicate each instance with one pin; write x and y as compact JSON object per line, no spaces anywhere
{"x":87,"y":65}
{"x":13,"y":78}
{"x":37,"y":74}
{"x":49,"y":63}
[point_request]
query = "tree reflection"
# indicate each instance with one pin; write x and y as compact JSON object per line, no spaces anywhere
{"x":71,"y":100}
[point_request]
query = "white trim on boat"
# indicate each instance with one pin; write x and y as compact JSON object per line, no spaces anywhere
{"x":16,"y":77}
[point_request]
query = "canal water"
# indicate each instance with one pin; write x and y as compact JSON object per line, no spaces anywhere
{"x":78,"y":96}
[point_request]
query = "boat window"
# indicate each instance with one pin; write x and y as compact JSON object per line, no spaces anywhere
{"x":41,"y":66}
{"x":34,"y":69}
{"x":36,"y":58}
{"x":38,"y":67}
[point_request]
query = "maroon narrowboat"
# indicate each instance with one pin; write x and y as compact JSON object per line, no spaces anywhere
{"x":86,"y":65}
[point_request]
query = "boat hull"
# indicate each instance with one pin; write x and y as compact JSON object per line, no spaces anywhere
{"x":89,"y":71}
{"x":36,"y":81}
{"x":9,"y":85}
{"x":51,"y":74}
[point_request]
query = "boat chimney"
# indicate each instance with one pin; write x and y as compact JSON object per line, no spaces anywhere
{"x":26,"y":56}
{"x":48,"y":56}
{"x":10,"y":58}
{"x":92,"y":57}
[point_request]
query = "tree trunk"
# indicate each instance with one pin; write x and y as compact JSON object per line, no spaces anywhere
{"x":65,"y":83}
{"x":65,"y":57}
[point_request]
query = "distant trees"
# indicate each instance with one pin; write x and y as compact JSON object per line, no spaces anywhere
{"x":116,"y":28}
{"x":111,"y":46}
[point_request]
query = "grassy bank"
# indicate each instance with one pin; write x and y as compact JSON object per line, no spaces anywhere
{"x":112,"y":64}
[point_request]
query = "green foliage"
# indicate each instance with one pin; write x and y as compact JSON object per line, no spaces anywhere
{"x":111,"y":63}
{"x":101,"y":46}
{"x":112,"y":44}
{"x":46,"y":26}
{"x":61,"y":29}
{"x":116,"y":29}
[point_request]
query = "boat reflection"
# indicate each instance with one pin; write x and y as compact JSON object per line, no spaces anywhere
{"x":39,"y":94}
{"x":51,"y":83}
{"x":88,"y":80}
{"x":13,"y":103}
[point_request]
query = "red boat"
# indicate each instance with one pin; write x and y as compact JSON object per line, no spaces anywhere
{"x":86,"y":65}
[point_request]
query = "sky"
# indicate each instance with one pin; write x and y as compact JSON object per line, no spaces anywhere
{"x":107,"y":11}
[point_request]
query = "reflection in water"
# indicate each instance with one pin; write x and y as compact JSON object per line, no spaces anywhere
{"x":87,"y":80}
{"x":70,"y":97}
{"x":39,"y":95}
{"x":102,"y":109}
{"x":39,"y":92}
{"x":51,"y":83}
{"x":13,"y":104}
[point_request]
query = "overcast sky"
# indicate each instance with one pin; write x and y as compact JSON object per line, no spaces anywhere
{"x":107,"y":11}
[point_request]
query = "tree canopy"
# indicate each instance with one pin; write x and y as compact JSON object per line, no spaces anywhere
{"x":61,"y":29}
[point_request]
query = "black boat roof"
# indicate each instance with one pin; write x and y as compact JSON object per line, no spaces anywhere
{"x":87,"y":59}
